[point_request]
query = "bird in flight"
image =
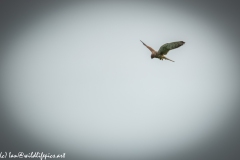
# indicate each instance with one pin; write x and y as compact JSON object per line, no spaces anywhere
{"x":164,"y":49}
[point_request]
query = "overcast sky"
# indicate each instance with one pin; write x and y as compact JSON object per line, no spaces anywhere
{"x":76,"y":78}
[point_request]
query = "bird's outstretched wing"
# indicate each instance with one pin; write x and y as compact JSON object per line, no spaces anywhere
{"x":148,"y":46}
{"x":169,"y":46}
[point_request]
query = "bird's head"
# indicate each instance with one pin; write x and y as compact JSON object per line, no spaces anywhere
{"x":152,"y":56}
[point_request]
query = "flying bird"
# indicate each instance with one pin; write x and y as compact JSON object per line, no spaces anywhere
{"x":164,"y":49}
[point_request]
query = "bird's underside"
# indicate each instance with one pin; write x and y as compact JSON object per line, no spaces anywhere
{"x":164,"y":49}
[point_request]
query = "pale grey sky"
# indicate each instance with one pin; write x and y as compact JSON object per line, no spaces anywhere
{"x":89,"y":86}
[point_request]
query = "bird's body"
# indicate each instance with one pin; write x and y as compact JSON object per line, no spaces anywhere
{"x":164,"y":49}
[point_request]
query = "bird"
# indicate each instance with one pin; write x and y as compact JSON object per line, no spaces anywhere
{"x":164,"y":49}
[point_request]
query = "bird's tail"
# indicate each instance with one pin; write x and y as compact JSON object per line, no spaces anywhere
{"x":167,"y":58}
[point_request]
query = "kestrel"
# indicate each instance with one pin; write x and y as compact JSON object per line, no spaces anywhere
{"x":164,"y":49}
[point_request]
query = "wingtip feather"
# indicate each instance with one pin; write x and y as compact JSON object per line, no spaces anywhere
{"x":143,"y":42}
